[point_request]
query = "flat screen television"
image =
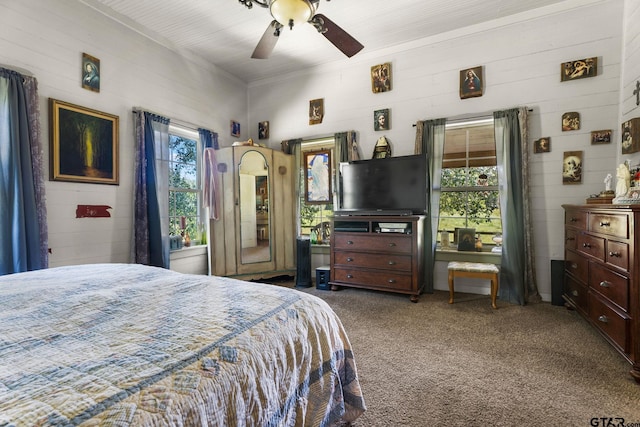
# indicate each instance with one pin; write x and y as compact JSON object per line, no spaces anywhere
{"x":394,"y":185}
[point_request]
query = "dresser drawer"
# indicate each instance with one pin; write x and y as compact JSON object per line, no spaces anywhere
{"x":611,"y":224}
{"x":570,"y":239}
{"x":610,"y":284}
{"x":368,"y":260}
{"x":576,"y":293}
{"x":613,"y":324}
{"x":388,"y":243}
{"x":591,"y":245}
{"x":617,"y":253}
{"x":577,"y":265}
{"x":387,"y":279}
{"x":574,"y":218}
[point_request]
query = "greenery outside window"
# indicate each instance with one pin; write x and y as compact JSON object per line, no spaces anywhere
{"x":185,"y":191}
{"x":313,"y":216}
{"x":469,"y":187}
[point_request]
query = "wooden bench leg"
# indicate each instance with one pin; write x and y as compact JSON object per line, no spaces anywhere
{"x":451,"y":286}
{"x":494,"y":290}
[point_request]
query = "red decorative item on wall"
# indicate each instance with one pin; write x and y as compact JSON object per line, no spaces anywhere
{"x":93,"y":211}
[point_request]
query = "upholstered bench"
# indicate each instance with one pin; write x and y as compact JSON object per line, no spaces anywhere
{"x":475,"y":270}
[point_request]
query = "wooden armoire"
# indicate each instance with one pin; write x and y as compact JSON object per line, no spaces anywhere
{"x":255,"y":235}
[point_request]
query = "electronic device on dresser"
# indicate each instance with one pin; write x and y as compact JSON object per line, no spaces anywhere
{"x":602,"y":273}
{"x":383,"y":187}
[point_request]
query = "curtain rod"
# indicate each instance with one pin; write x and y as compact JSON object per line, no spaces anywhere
{"x":465,"y":118}
{"x":178,"y":122}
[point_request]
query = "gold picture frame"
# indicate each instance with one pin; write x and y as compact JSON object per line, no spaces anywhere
{"x":90,"y":72}
{"x":381,"y":78}
{"x":471,"y":82}
{"x":579,"y":69}
{"x":572,"y":167}
{"x":84,"y":145}
{"x":316,"y":111}
{"x":317,"y":167}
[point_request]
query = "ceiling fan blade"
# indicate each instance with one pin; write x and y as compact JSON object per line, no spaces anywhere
{"x":268,"y":41}
{"x":336,"y":35}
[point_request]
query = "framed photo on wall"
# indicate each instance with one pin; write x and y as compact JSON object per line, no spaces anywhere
{"x":572,"y":167}
{"x":381,"y":120}
{"x":90,"y":72}
{"x":84,"y":144}
{"x":381,"y":78}
{"x":570,"y":121}
{"x":600,"y":136}
{"x":579,"y":69}
{"x":631,"y":136}
{"x":263,"y":130}
{"x":235,"y":128}
{"x":317,"y":166}
{"x":471,"y":82}
{"x":316,"y":111}
{"x":542,"y":145}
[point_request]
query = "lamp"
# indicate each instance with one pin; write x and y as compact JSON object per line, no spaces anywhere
{"x":291,"y":12}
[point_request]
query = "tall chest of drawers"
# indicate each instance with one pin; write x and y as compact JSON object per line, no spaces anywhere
{"x":378,"y":252}
{"x":602,"y":270}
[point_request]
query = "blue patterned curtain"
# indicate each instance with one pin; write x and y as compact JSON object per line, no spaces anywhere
{"x":151,"y":217}
{"x":430,"y":142}
{"x":23,"y":225}
{"x":517,"y":270}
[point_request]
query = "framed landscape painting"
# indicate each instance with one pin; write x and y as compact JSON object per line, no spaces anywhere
{"x":84,"y":144}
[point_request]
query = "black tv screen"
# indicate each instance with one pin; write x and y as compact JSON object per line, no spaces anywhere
{"x":393,"y":184}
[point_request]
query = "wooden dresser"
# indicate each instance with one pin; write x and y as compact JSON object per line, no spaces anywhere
{"x":602,"y":270}
{"x":378,"y":252}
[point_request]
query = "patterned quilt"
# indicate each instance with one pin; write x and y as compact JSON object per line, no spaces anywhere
{"x":130,"y":345}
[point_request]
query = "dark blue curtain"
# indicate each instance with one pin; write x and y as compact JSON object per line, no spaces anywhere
{"x":151,"y":222}
{"x":22,"y":227}
{"x":209,"y":139}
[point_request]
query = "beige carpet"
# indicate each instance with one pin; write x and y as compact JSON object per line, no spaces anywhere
{"x":435,"y":364}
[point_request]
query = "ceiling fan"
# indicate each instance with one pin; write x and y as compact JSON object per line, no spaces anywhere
{"x":294,"y":12}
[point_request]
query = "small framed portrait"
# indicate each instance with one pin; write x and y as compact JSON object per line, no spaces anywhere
{"x":471,"y":82}
{"x":90,"y":72}
{"x":572,"y":167}
{"x":600,"y":136}
{"x":542,"y":145}
{"x":235,"y":128}
{"x":466,"y":239}
{"x":630,"y":136}
{"x":263,"y":130}
{"x":381,"y":78}
{"x":316,"y":111}
{"x":317,"y":166}
{"x":381,"y":120}
{"x":570,"y":121}
{"x":579,"y":69}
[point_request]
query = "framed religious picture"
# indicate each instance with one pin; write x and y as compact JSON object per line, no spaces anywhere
{"x":317,"y":166}
{"x":263,"y":130}
{"x":570,"y":121}
{"x":631,"y":136}
{"x":600,"y":136}
{"x":471,"y":82}
{"x":542,"y":145}
{"x":235,"y":128}
{"x":316,"y":111}
{"x":579,"y":69}
{"x":572,"y":167}
{"x":466,"y":239}
{"x":381,"y":120}
{"x":381,"y":78}
{"x":84,"y":144}
{"x":90,"y":72}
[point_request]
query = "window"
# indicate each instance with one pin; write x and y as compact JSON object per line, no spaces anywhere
{"x":312,"y":216}
{"x":469,"y":197}
{"x":185,"y":207}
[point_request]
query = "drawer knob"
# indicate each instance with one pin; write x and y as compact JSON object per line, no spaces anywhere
{"x":586,"y":245}
{"x":391,"y":244}
{"x":574,"y":265}
{"x":605,"y":223}
{"x":615,"y":254}
{"x":573,"y":219}
{"x":605,"y":284}
{"x":574,"y":293}
{"x":349,"y":242}
{"x":391,"y":281}
{"x":392,"y":263}
{"x":349,"y":276}
{"x":603,"y":319}
{"x":349,"y":259}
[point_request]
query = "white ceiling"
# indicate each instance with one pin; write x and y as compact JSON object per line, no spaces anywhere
{"x":225,"y":32}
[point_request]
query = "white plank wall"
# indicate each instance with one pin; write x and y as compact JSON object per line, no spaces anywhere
{"x":47,"y":38}
{"x":521,"y":58}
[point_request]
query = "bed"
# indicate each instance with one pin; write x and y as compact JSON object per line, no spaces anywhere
{"x":132,"y":345}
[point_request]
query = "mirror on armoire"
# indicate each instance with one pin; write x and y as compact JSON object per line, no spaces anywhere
{"x":255,"y":226}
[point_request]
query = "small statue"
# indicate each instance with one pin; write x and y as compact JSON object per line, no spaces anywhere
{"x":624,"y":180}
{"x":607,"y":182}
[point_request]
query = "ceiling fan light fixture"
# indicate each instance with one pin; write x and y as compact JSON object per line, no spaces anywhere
{"x":291,"y":12}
